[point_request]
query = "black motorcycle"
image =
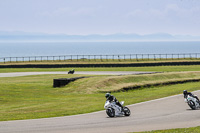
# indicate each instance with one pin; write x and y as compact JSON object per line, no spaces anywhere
{"x":71,"y":71}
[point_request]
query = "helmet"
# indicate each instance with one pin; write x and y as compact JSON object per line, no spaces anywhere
{"x":185,"y":92}
{"x":107,"y":95}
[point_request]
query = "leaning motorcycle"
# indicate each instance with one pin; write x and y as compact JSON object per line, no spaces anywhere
{"x":71,"y":72}
{"x":192,"y":102}
{"x":112,"y":109}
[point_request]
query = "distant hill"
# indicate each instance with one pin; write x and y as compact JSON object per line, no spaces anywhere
{"x":25,"y":36}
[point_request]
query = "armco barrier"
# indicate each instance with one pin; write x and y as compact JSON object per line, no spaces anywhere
{"x":102,"y":58}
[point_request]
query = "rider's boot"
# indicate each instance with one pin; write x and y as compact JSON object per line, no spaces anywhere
{"x":122,"y":109}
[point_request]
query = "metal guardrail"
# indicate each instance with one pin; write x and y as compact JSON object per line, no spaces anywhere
{"x":118,"y":57}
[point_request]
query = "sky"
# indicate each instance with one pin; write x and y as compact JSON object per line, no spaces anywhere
{"x":84,"y":17}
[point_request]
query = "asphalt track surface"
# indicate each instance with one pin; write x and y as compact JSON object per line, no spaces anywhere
{"x":164,"y":113}
{"x":15,"y":74}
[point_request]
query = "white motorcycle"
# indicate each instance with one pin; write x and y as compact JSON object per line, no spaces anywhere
{"x":192,"y":102}
{"x":112,"y":109}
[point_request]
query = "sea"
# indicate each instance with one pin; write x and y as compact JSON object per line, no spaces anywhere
{"x":24,"y":49}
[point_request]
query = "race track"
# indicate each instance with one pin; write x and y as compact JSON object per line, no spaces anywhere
{"x":15,"y":74}
{"x":164,"y":113}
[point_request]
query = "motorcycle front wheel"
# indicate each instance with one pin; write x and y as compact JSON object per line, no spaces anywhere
{"x":192,"y":105}
{"x":127,"y":112}
{"x":110,"y":112}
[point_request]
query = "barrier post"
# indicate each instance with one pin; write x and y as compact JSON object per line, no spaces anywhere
{"x":136,"y":57}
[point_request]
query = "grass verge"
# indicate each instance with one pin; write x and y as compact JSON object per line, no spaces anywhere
{"x":152,"y":69}
{"x":178,"y":130}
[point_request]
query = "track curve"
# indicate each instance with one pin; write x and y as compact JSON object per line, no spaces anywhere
{"x":164,"y":113}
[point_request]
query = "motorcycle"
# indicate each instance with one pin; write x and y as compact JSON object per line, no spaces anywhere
{"x":112,"y":109}
{"x":192,"y":102}
{"x":71,"y":71}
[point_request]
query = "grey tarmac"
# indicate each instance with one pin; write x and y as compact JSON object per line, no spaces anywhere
{"x":15,"y":74}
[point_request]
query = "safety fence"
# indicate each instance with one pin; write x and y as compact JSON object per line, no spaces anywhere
{"x":101,"y":58}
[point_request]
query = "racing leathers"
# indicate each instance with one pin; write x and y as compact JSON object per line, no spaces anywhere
{"x":192,"y":95}
{"x":113,"y":99}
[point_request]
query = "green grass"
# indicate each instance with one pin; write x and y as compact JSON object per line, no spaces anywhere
{"x":153,"y":69}
{"x":31,"y":97}
{"x":179,"y":130}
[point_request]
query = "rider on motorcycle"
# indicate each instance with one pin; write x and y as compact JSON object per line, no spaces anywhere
{"x":186,"y":93}
{"x":71,"y":71}
{"x":112,"y":98}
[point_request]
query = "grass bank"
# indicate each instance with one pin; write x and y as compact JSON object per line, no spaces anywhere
{"x":150,"y":69}
{"x":121,"y":83}
{"x":31,"y":97}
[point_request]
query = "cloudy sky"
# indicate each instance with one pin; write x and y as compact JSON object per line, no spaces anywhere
{"x":83,"y":17}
